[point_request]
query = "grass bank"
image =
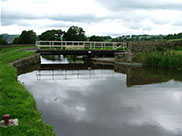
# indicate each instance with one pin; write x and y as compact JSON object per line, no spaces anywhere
{"x":16,"y":100}
{"x":171,"y":59}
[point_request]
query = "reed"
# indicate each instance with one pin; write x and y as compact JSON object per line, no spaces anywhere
{"x":165,"y":59}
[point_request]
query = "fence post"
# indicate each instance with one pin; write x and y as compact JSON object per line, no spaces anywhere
{"x":49,"y":45}
{"x":53,"y":44}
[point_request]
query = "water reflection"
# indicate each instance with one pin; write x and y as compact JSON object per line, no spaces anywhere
{"x":75,"y":71}
{"x":60,"y":59}
{"x":107,"y":107}
{"x":143,"y":75}
{"x":75,"y":74}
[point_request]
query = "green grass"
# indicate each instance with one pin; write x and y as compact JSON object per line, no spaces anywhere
{"x":168,"y":59}
{"x":16,"y":100}
{"x":174,"y":40}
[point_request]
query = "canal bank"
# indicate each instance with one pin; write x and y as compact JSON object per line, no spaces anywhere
{"x":16,"y":100}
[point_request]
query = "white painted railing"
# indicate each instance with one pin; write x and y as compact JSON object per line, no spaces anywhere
{"x":83,"y":45}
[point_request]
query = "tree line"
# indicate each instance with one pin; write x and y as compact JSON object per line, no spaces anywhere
{"x":75,"y":33}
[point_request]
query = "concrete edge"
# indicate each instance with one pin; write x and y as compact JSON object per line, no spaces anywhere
{"x":129,"y":64}
{"x":104,"y":60}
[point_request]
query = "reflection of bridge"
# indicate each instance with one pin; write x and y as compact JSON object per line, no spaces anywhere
{"x":80,"y":47}
{"x":75,"y":74}
{"x":86,"y":66}
{"x":75,"y":71}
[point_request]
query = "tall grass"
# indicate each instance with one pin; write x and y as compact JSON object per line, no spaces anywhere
{"x":166,"y":59}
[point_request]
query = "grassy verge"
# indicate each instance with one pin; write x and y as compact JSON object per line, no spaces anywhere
{"x":164,"y":59}
{"x":16,"y":100}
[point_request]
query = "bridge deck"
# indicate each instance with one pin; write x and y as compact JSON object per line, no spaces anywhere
{"x":78,"y":52}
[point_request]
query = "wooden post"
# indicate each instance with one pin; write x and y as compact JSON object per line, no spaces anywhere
{"x":65,"y":45}
{"x":53,"y":44}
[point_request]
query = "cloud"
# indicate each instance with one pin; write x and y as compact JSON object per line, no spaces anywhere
{"x":115,"y":17}
{"x":178,"y":22}
{"x":9,"y":18}
{"x":35,"y":10}
{"x":141,"y":4}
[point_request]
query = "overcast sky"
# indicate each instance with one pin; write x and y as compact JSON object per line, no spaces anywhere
{"x":96,"y":17}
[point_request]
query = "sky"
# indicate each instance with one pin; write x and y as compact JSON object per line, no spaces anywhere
{"x":96,"y":17}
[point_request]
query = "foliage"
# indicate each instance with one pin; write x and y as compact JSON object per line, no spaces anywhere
{"x":96,"y":38}
{"x":17,"y":101}
{"x":51,"y":35}
{"x":165,"y":59}
{"x":173,"y":36}
{"x":75,"y":33}
{"x":144,"y":37}
{"x":161,"y":48}
{"x":26,"y":37}
{"x":16,"y":40}
{"x":99,"y":38}
{"x":2,"y":41}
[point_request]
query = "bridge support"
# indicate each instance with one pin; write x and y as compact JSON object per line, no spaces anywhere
{"x":135,"y":48}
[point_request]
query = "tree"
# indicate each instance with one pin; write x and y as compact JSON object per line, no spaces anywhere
{"x":75,"y":33}
{"x":179,"y":35}
{"x":96,"y":38}
{"x":2,"y":41}
{"x":26,"y":37}
{"x":16,"y":40}
{"x":51,"y":35}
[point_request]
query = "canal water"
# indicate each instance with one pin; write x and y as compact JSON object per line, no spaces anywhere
{"x":89,"y":99}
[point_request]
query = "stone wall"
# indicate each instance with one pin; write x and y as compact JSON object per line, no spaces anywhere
{"x":123,"y":57}
{"x":27,"y":64}
{"x":134,"y":48}
{"x":143,"y":46}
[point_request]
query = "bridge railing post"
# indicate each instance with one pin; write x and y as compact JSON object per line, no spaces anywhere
{"x":65,"y":45}
{"x":90,"y":45}
{"x":53,"y":44}
{"x":49,"y":45}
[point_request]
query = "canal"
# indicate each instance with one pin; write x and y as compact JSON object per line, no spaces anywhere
{"x":79,"y":98}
